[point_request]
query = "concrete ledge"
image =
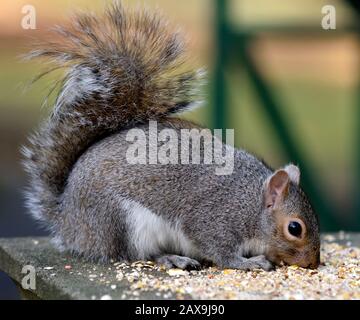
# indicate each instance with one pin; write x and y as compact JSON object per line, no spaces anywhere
{"x":61,"y":276}
{"x":58,"y":276}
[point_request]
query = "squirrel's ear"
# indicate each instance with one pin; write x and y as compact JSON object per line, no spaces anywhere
{"x":276,"y":188}
{"x":293,"y":172}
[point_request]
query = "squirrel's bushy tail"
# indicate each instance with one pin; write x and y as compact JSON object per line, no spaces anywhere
{"x":122,"y":68}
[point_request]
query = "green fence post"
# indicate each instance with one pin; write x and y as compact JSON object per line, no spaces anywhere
{"x":221,"y":43}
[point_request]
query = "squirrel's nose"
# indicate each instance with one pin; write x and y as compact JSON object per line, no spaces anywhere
{"x":315,"y":263}
{"x":309,"y":260}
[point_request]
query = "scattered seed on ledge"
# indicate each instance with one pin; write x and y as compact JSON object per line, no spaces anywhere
{"x":338,"y":277}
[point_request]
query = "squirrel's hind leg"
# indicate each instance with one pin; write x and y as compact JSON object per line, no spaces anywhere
{"x":181,"y":262}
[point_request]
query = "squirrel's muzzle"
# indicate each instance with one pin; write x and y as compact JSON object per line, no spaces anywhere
{"x":308,"y":259}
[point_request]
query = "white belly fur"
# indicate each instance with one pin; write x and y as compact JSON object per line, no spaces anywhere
{"x":151,"y":235}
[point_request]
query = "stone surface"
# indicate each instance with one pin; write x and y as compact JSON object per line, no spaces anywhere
{"x":61,"y":276}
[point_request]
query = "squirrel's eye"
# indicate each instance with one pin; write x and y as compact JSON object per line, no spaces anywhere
{"x":295,"y":229}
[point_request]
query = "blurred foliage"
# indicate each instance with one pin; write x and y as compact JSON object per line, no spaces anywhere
{"x":315,"y":80}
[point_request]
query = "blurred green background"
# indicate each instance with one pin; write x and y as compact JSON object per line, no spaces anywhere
{"x":315,"y":79}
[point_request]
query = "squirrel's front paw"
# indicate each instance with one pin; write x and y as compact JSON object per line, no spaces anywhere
{"x":262,"y":262}
{"x":181,"y":262}
{"x":257,"y":262}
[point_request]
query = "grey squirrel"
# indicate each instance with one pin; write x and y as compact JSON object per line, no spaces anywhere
{"x":124,"y":68}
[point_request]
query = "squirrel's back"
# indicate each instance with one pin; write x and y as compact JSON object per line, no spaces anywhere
{"x":106,"y":194}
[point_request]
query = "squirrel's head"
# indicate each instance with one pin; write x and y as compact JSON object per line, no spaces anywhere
{"x":294,"y":233}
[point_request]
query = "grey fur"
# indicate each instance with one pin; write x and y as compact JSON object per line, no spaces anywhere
{"x":122,"y":72}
